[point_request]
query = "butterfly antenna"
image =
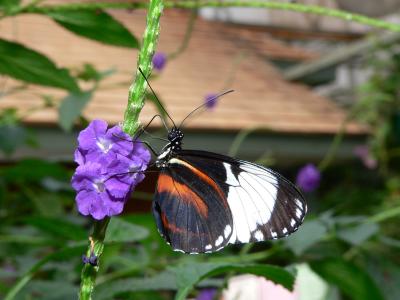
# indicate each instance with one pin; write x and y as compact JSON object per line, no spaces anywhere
{"x":155,"y":96}
{"x":204,"y":104}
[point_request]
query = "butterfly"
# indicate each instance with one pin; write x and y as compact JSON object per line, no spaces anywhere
{"x":205,"y":201}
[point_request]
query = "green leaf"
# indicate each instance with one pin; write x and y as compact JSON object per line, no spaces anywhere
{"x":12,"y":137}
{"x":122,"y":231}
{"x":8,"y":5}
{"x":61,"y":255}
{"x":188,"y":275}
{"x":49,"y":290}
{"x":25,"y":64}
{"x":4,"y":3}
{"x":71,"y":108}
{"x":96,"y":25}
{"x":163,"y":281}
{"x":90,"y":73}
{"x":60,"y":228}
{"x":12,"y":134}
{"x":349,"y":278}
{"x":34,"y":170}
{"x":47,"y":204}
{"x":184,"y":277}
{"x":308,"y":234}
{"x":358,"y":234}
{"x":387,"y":275}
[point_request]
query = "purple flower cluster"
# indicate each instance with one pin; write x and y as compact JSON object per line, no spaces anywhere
{"x":110,"y":165}
{"x":308,"y":178}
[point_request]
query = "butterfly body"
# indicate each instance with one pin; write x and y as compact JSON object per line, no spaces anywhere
{"x":205,"y":201}
{"x":175,"y":137}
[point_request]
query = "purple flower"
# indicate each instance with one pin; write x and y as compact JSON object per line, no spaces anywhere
{"x":210,"y":100}
{"x":110,"y":165}
{"x":96,"y":142}
{"x":363,"y":152}
{"x":159,"y":61}
{"x":206,"y":294}
{"x":308,"y":178}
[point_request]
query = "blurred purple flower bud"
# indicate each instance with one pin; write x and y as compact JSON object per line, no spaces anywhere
{"x":85,"y":259}
{"x":210,"y":100}
{"x":110,"y":166}
{"x":206,"y":294}
{"x":308,"y":178}
{"x":159,"y":61}
{"x":92,"y":259}
{"x":364,"y":154}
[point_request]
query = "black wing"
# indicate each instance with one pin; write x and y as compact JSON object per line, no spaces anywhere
{"x":205,"y":201}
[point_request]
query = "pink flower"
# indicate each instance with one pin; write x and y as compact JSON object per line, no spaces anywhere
{"x":364,"y":154}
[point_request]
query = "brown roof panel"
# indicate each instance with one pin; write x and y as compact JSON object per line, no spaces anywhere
{"x":217,"y":53}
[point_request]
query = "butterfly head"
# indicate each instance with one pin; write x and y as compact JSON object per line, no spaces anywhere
{"x":175,"y":137}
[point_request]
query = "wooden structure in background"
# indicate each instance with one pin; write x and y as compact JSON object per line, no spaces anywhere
{"x":262,"y":97}
{"x":218,"y":57}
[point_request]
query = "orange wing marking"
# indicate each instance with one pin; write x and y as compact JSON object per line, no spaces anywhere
{"x":167,"y":184}
{"x":202,"y":175}
{"x":168,"y":225}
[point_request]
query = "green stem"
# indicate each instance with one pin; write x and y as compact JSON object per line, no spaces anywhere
{"x":89,"y":272}
{"x":186,"y":39}
{"x":136,"y":98}
{"x":384,"y":215}
{"x":137,"y":91}
{"x":334,"y":147}
{"x":241,"y":136}
{"x":277,"y":5}
{"x":330,"y":155}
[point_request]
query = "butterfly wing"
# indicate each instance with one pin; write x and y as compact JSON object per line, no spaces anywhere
{"x":191,"y":210}
{"x":245,"y":202}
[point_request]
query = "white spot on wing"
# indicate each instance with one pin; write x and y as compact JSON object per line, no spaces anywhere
{"x":284,"y":230}
{"x":219,"y":241}
{"x":208,"y":247}
{"x":274,"y":234}
{"x":298,"y":213}
{"x":292,"y":222}
{"x":179,"y":250}
{"x":227,"y":231}
{"x":230,"y":178}
{"x":259,"y":236}
{"x":299,"y":204}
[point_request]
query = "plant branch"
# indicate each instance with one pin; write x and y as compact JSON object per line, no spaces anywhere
{"x":334,"y":147}
{"x":137,"y":91}
{"x":89,"y":272}
{"x":276,"y":5}
{"x":186,"y":39}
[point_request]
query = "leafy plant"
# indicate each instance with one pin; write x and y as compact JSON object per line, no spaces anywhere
{"x":350,"y":238}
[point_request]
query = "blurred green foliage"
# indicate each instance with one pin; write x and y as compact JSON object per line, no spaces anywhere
{"x":350,"y":237}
